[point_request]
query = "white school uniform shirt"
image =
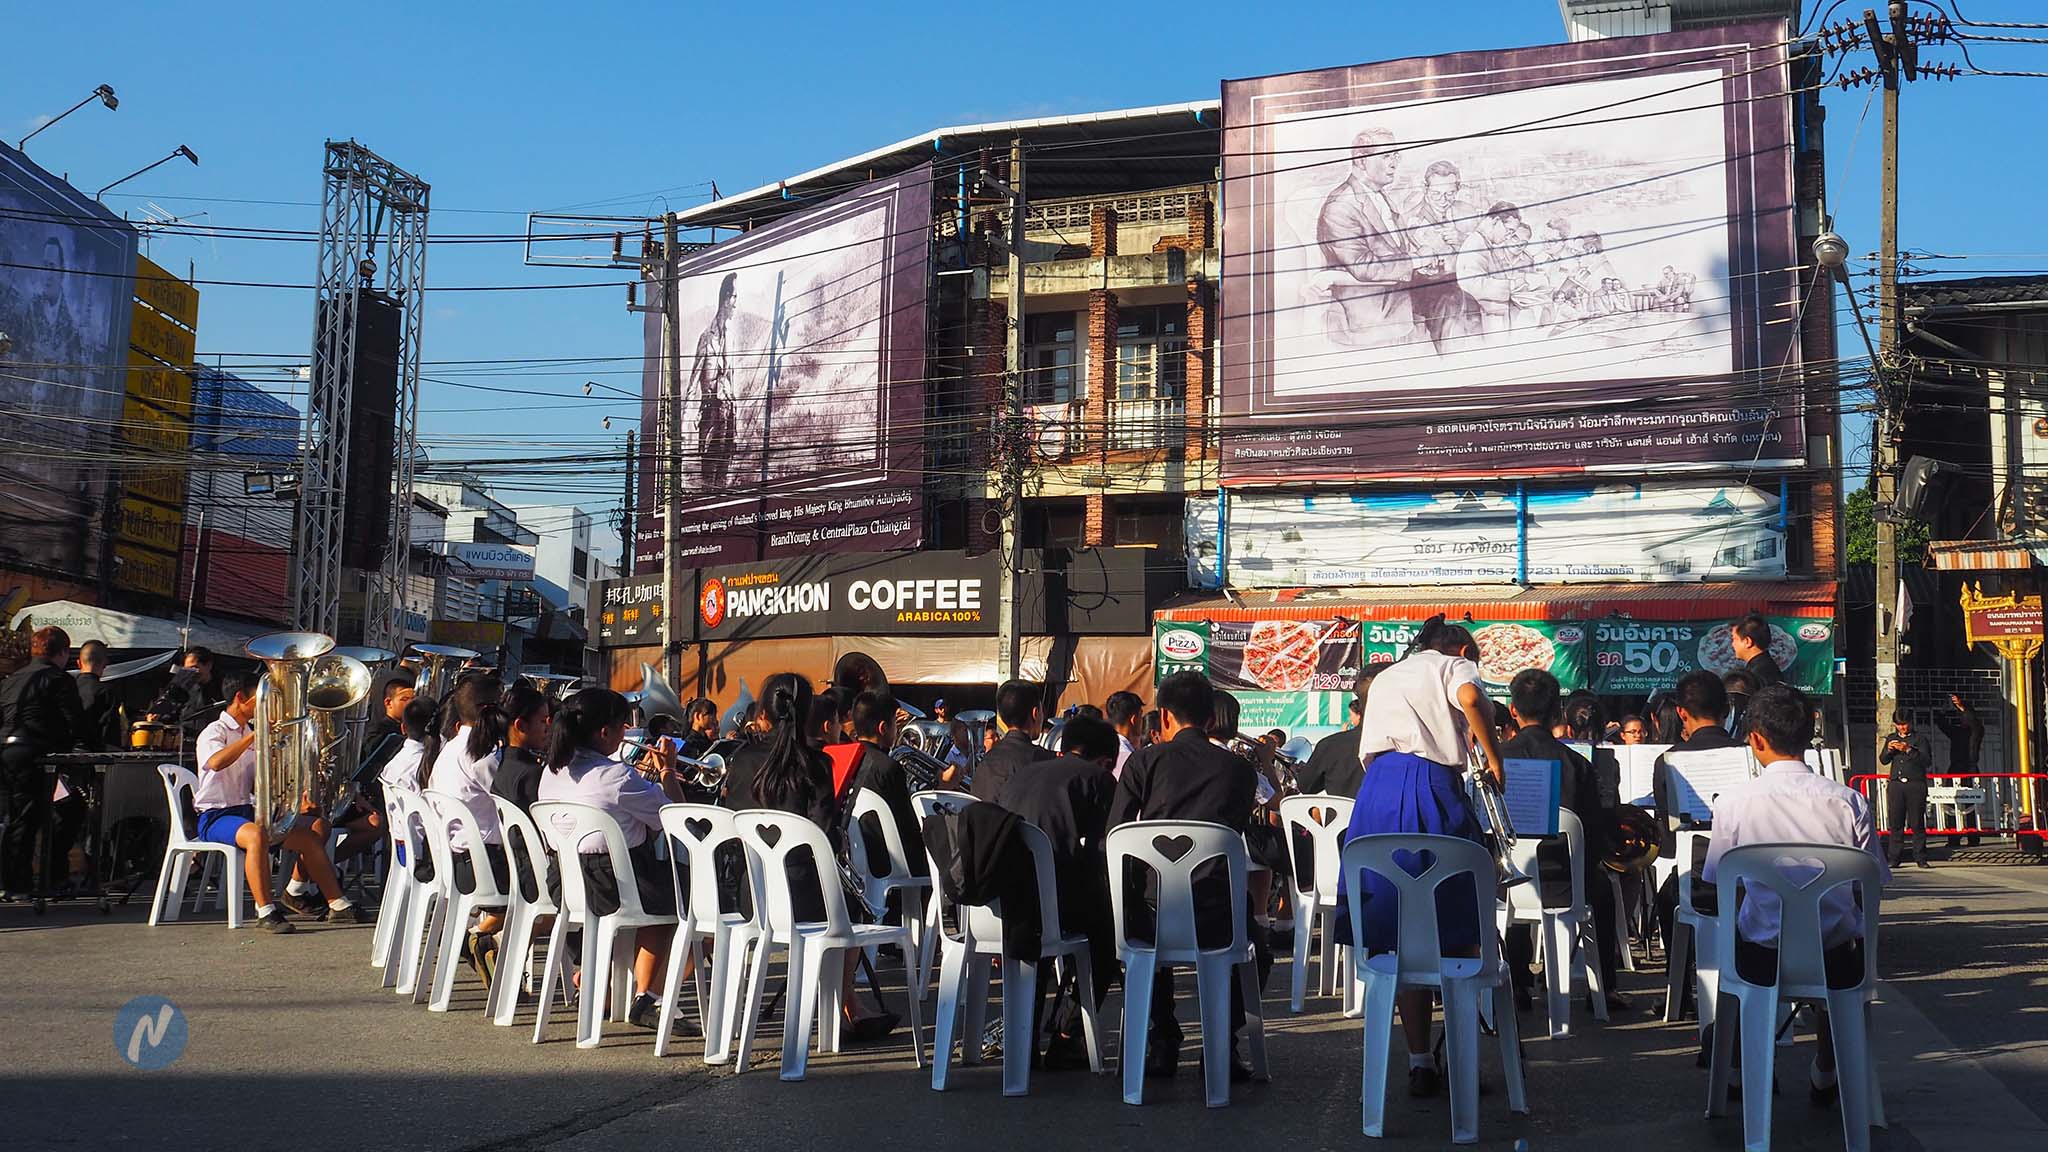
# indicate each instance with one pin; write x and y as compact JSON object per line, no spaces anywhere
{"x":468,"y":780}
{"x":1789,"y":803}
{"x":402,"y":771}
{"x":1414,"y":708}
{"x":1124,"y":748}
{"x":612,"y":787}
{"x":231,"y":786}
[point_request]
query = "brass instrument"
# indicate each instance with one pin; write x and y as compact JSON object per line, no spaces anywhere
{"x":438,"y":667}
{"x":927,"y":736}
{"x":302,"y":706}
{"x":655,"y":697}
{"x":378,"y":661}
{"x":923,"y":771}
{"x":1636,"y":843}
{"x":1493,"y":810}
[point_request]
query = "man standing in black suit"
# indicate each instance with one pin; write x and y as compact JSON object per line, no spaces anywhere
{"x":1751,"y":640}
{"x":1021,"y":715}
{"x":1909,"y":755}
{"x":1185,"y":777}
{"x":1068,"y":798}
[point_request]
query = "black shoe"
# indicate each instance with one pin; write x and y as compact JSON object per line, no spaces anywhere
{"x":1240,"y":1069}
{"x":300,"y":906}
{"x":1424,"y":1081}
{"x":276,"y":923}
{"x":1922,"y":864}
{"x":1162,"y":1063}
{"x":1064,"y":1054}
{"x":869,"y":1029}
{"x":646,"y":1013}
{"x":481,"y":952}
{"x":353,"y":914}
{"x":1616,"y":1002}
{"x":1821,"y":1097}
{"x":1524,"y":1001}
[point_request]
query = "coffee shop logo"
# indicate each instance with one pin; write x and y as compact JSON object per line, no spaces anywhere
{"x":711,"y":604}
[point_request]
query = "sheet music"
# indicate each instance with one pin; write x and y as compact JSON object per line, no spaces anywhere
{"x":1638,"y":763}
{"x":1699,"y":777}
{"x":1531,"y":795}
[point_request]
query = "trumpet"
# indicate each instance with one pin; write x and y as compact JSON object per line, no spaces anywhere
{"x":1493,"y":809}
{"x":706,"y":773}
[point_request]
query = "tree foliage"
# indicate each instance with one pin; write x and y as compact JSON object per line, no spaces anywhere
{"x":1859,"y":529}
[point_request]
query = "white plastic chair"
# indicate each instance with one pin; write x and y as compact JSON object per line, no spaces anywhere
{"x":900,"y":874}
{"x":1174,"y":945}
{"x":462,"y":835}
{"x":701,"y":830}
{"x":1323,"y":820}
{"x":406,"y":952}
{"x":966,"y":970}
{"x":1692,"y":941}
{"x":522,"y":914}
{"x":1799,"y":874}
{"x":1418,"y":962}
{"x":1570,"y":950}
{"x":608,"y":939}
{"x":397,"y":890}
{"x":816,"y":974}
{"x":422,"y":957}
{"x":182,"y":854}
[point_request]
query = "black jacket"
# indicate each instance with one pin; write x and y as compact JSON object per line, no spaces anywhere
{"x":1185,"y":778}
{"x":39,"y":707}
{"x":1764,"y":670}
{"x":1012,"y":752}
{"x":1068,"y":799}
{"x":101,"y":706}
{"x":518,"y":777}
{"x":982,"y":860}
{"x":1334,"y":767}
{"x":876,"y":773}
{"x":1965,"y":740}
{"x":1910,"y":765}
{"x":1579,"y":792}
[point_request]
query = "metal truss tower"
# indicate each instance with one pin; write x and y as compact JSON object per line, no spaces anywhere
{"x":373,"y":235}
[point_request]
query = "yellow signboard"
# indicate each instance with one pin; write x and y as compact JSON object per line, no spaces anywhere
{"x":167,"y":388}
{"x":139,"y":521}
{"x":144,"y":427}
{"x":152,"y":332}
{"x":482,"y":635}
{"x":166,"y":293}
{"x":141,"y":569}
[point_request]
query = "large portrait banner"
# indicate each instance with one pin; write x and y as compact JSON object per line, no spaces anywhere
{"x":1539,"y":260}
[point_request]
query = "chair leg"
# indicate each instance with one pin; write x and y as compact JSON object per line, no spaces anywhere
{"x":174,"y":862}
{"x":1084,"y":983}
{"x":1461,"y":1052}
{"x":929,"y":941}
{"x":1707,"y":994}
{"x":1297,"y":980}
{"x":381,"y":936}
{"x":410,"y":954}
{"x":1757,"y":1019}
{"x":1586,"y":955}
{"x":1720,"y":1068}
{"x":757,"y":979}
{"x":393,"y":962}
{"x":430,"y":951}
{"x":976,"y":1008}
{"x":1675,"y":961}
{"x":916,"y":1024}
{"x":800,"y":1006}
{"x":1847,"y":1020}
{"x":728,"y":973}
{"x":1378,"y":1000}
{"x":558,"y":938}
{"x":453,"y":927}
{"x":952,"y":981}
{"x":1326,"y":976}
{"x":1139,"y":973}
{"x":1876,"y":1108}
{"x":516,"y":946}
{"x":597,"y":970}
{"x":671,"y":987}
{"x":914,"y":972}
{"x":1557,"y":974}
{"x":1212,"y":992}
{"x":231,"y":863}
{"x":1020,"y":1033}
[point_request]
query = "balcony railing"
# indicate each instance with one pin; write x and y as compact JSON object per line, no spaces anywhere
{"x":1147,"y":425}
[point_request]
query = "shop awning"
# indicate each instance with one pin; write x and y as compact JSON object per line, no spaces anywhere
{"x":117,"y":629}
{"x":1809,"y":598}
{"x":1984,"y":555}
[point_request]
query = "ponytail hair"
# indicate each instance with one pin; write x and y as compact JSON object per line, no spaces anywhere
{"x":794,"y":775}
{"x":581,"y":718}
{"x":1442,"y":638}
{"x":418,"y":722}
{"x":521,"y":704}
{"x":466,"y":705}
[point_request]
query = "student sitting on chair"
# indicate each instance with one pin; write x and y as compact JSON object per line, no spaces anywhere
{"x":1789,"y":803}
{"x":225,"y":798}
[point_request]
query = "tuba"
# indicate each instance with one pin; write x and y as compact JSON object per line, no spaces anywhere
{"x":437,"y":673}
{"x":927,"y":736}
{"x":655,"y":697}
{"x":379,"y":661}
{"x":302,"y":707}
{"x":923,"y":771}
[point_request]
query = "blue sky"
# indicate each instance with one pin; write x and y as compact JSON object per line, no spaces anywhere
{"x":543,"y":106}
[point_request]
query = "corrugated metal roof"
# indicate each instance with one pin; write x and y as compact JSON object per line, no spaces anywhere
{"x":1507,"y":602}
{"x":1983,"y":555}
{"x":1975,"y":291}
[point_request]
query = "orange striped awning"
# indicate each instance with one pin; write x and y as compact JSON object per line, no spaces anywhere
{"x":1982,"y":555}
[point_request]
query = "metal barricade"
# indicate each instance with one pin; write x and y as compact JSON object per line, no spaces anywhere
{"x":1970,"y":804}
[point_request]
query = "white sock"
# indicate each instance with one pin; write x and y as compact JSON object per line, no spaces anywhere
{"x":1420,"y":1060}
{"x":1818,"y":1082}
{"x":263,"y":911}
{"x":301,"y":887}
{"x":339,"y":905}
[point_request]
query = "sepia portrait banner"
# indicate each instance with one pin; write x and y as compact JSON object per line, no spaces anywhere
{"x":1546,"y":259}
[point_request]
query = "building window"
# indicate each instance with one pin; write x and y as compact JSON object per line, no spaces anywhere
{"x":579,"y":563}
{"x":1051,"y":359}
{"x":1151,"y":377}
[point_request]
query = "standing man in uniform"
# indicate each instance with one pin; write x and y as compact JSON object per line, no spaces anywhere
{"x":1751,"y":640}
{"x":102,"y":704}
{"x":1909,"y":756}
{"x":1965,"y":732}
{"x":39,"y":714}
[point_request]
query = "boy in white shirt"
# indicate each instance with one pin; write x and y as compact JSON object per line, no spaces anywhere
{"x":225,"y":798}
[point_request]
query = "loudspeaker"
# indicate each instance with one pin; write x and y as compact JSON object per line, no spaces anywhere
{"x":372,"y":429}
{"x":1921,"y":484}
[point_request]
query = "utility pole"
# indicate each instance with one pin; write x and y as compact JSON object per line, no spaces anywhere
{"x":671,"y":456}
{"x":1011,"y":443}
{"x":1890,"y":416}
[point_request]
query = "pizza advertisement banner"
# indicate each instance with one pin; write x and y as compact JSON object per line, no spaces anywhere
{"x":1638,"y":657}
{"x":1325,"y":655}
{"x":1179,"y":646}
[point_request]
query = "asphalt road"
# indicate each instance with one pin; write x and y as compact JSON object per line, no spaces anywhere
{"x":290,"y":1040}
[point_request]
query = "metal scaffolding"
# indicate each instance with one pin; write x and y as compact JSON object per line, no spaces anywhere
{"x":366,"y":201}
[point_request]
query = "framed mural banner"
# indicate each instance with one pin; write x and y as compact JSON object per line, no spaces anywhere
{"x":1555,"y":259}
